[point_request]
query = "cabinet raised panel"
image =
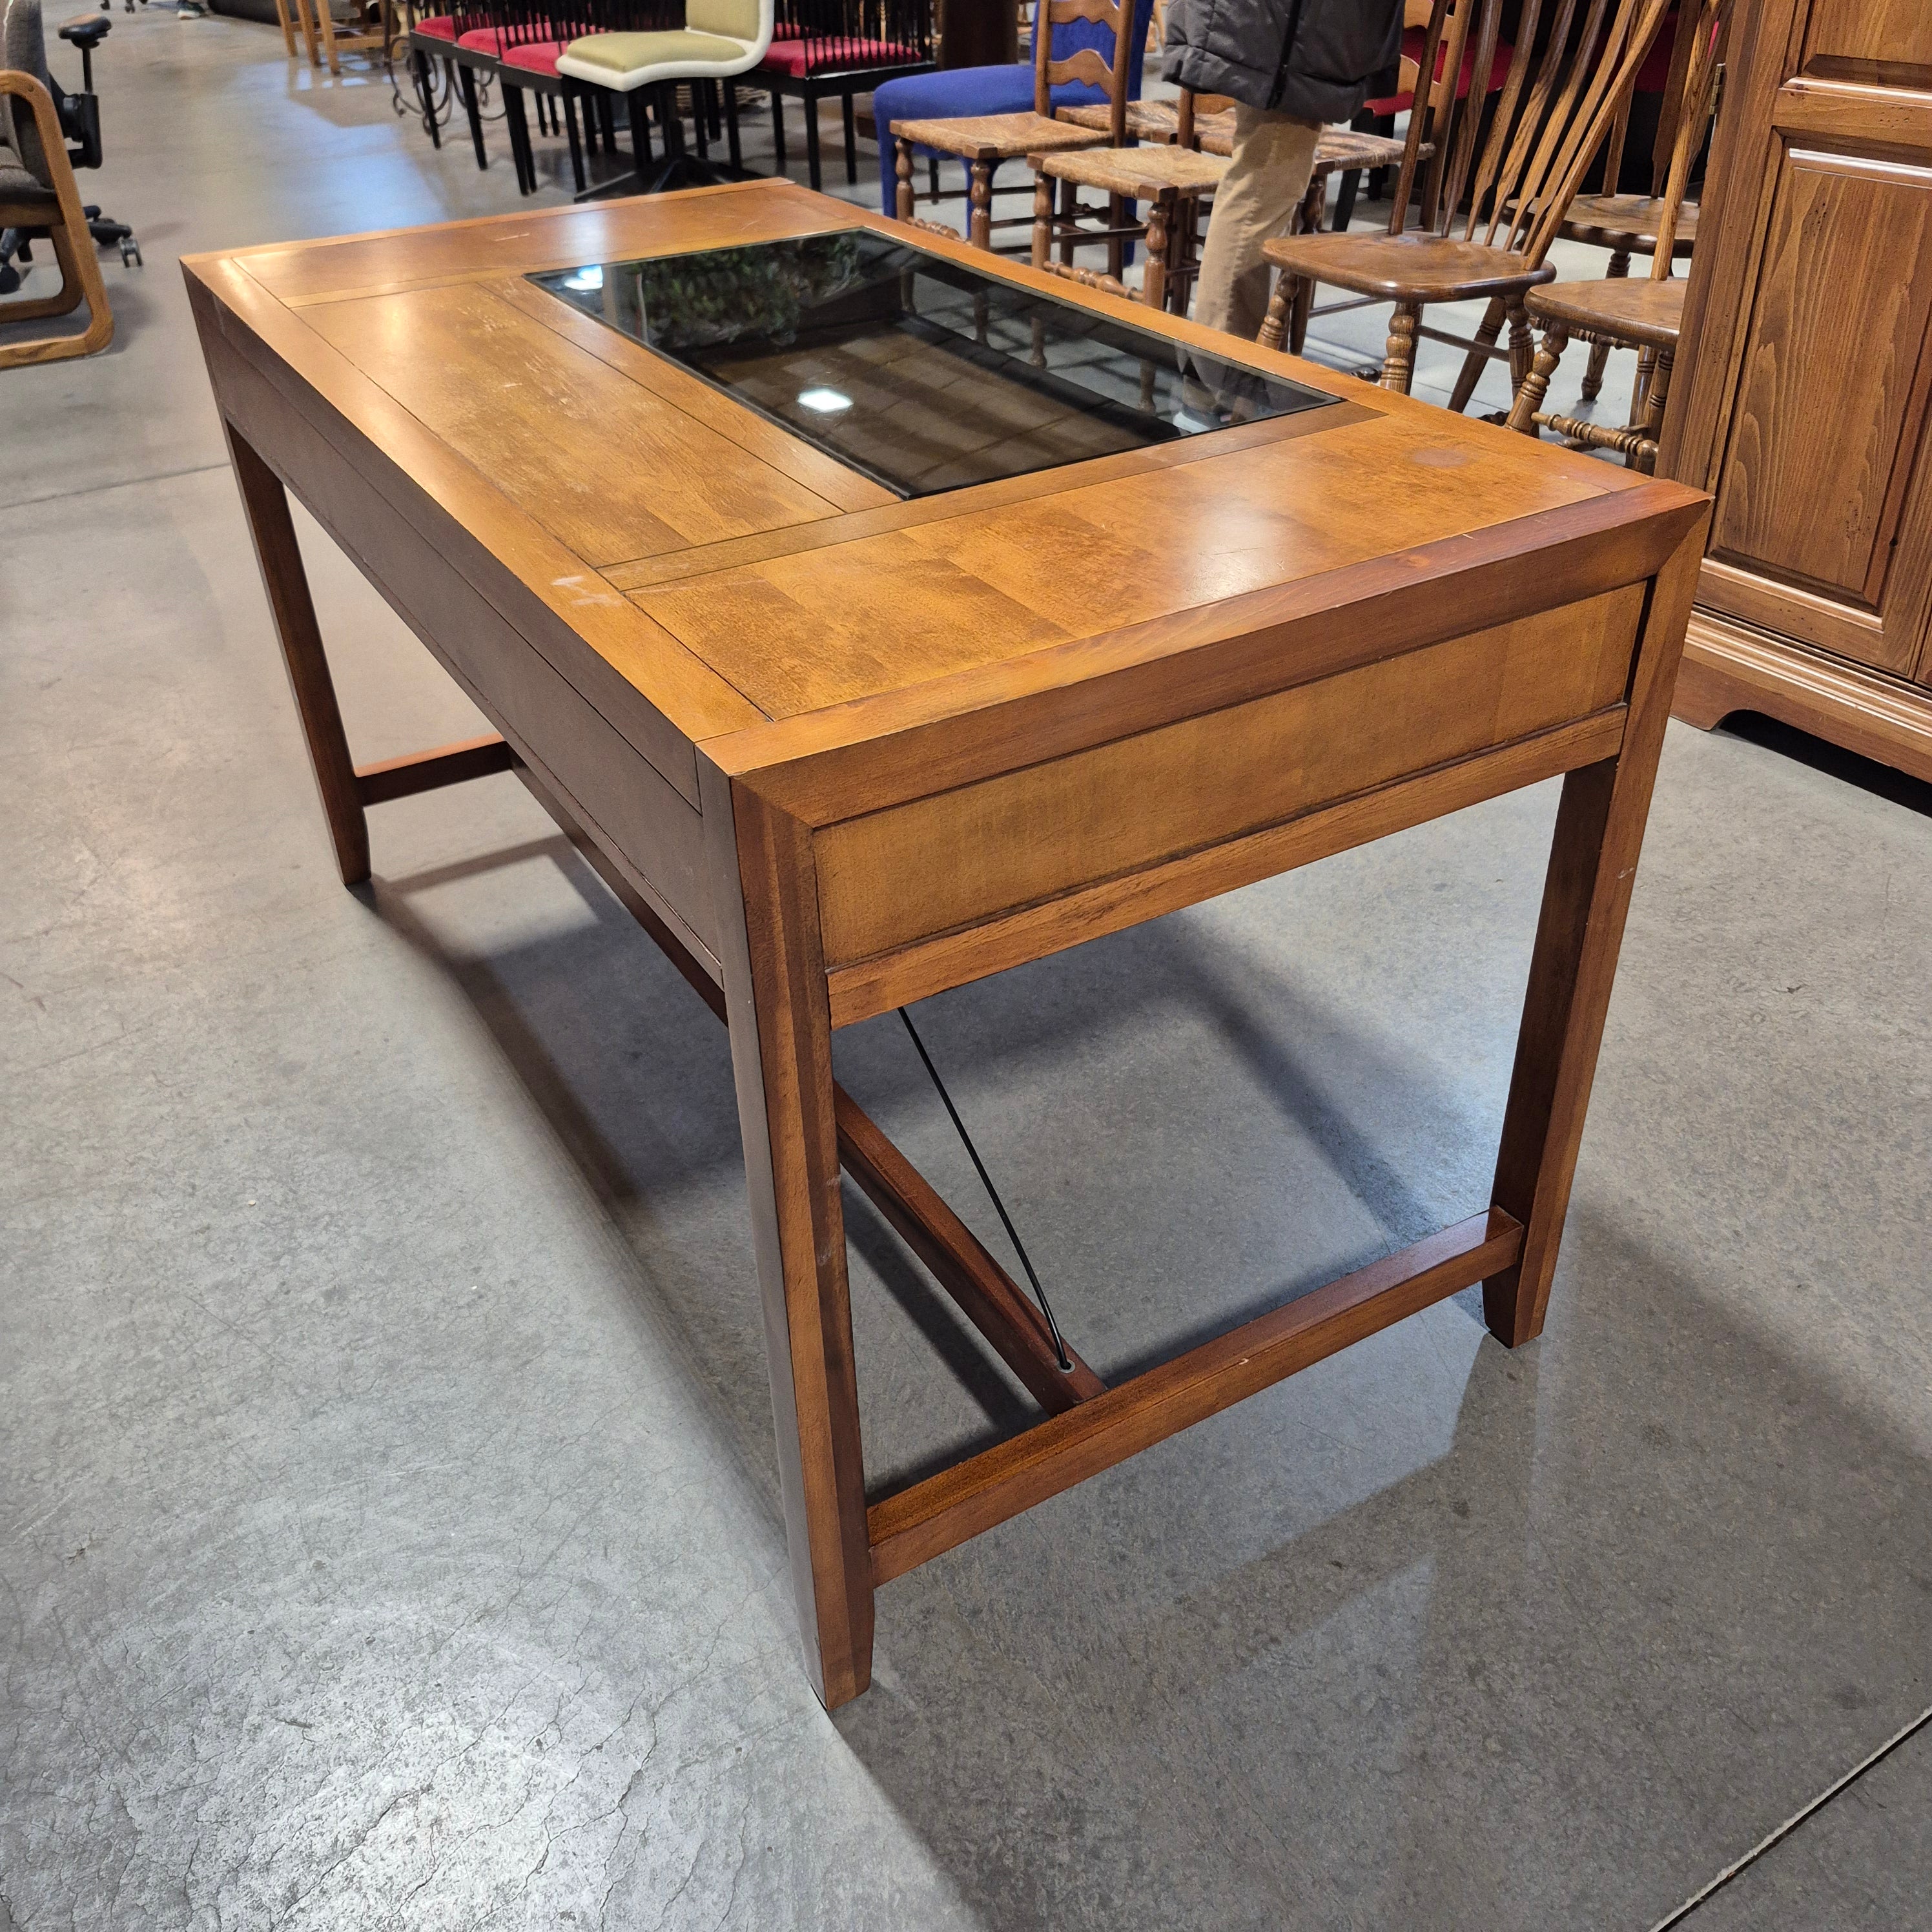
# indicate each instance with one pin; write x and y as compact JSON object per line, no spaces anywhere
{"x":1831,"y":399}
{"x":1804,"y":397}
{"x":1889,"y":38}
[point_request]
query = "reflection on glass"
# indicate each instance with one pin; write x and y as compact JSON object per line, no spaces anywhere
{"x":925,"y":374}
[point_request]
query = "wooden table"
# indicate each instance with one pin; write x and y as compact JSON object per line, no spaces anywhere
{"x":838,"y":751}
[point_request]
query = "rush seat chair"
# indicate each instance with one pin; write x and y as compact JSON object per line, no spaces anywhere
{"x":981,"y":96}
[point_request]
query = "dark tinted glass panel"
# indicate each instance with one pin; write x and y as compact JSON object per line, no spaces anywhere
{"x":925,"y":374}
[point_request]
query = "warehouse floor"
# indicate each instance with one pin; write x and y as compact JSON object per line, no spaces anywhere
{"x":388,"y":1529}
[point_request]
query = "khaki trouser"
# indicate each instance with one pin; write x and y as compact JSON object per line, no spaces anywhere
{"x":1256,"y":200}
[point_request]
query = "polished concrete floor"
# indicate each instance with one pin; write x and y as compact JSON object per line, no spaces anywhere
{"x":388,"y":1522}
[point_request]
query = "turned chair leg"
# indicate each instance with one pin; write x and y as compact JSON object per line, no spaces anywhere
{"x":1301,"y":308}
{"x":1646,"y":368}
{"x":1522,"y":345}
{"x":1600,"y":352}
{"x":1043,"y":219}
{"x":1154,"y":287}
{"x":1274,"y":324}
{"x":1534,"y":386}
{"x":980,"y":198}
{"x":1399,"y":362}
{"x":1477,"y":360}
{"x":1643,"y":457}
{"x":902,"y":169}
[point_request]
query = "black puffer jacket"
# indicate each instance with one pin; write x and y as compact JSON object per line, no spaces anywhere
{"x":1316,"y":60}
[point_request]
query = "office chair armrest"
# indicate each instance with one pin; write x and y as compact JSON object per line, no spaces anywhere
{"x":56,"y":160}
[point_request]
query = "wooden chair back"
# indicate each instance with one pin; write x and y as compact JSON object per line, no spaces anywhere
{"x":1705,"y":24}
{"x":1551,"y":115}
{"x":1085,"y":64}
{"x":1415,"y":14}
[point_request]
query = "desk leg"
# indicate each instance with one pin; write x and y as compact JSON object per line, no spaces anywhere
{"x":283,"y":577}
{"x":766,"y":889}
{"x":1592,"y":865}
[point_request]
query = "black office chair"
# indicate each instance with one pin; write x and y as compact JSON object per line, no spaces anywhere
{"x":23,"y":49}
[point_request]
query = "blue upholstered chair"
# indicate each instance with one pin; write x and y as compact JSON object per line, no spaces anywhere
{"x":974,"y":93}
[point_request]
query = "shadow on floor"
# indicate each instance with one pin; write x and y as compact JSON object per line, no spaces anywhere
{"x":1436,"y":1635}
{"x":1881,"y":780}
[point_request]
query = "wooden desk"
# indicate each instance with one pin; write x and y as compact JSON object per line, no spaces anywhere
{"x":838,"y":751}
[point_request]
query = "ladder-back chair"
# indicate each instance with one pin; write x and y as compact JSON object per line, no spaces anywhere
{"x":1170,"y":179}
{"x":1550,"y":119}
{"x":1647,"y":316}
{"x":983,"y":142}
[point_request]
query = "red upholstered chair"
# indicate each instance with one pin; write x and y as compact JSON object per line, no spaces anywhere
{"x":435,"y":37}
{"x":713,"y":41}
{"x":523,"y":46}
{"x":846,"y":48}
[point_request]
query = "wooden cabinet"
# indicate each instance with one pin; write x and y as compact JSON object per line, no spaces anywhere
{"x":1808,"y":337}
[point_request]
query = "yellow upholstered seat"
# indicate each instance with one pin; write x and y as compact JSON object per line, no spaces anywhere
{"x":719,"y":38}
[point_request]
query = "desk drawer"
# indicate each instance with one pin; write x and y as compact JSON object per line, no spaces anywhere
{"x":960,"y":858}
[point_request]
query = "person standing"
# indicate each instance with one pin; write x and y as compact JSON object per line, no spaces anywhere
{"x":1291,"y":66}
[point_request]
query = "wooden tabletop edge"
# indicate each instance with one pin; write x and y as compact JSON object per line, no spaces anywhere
{"x":1669,"y":510}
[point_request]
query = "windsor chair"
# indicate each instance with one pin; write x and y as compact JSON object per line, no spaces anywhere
{"x":1647,"y":316}
{"x":1550,"y":117}
{"x":1626,"y":224}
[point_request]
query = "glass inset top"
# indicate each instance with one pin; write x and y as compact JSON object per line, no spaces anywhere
{"x":923,"y":373}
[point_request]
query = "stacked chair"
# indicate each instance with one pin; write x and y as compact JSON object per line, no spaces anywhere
{"x":1346,"y":151}
{"x":821,"y":48}
{"x":985,"y":117}
{"x":1172,"y":178}
{"x":1647,"y":316}
{"x":1550,"y":121}
{"x":517,"y":46}
{"x":1626,"y":224}
{"x":530,"y":43}
{"x":460,"y":42}
{"x":1192,"y":141}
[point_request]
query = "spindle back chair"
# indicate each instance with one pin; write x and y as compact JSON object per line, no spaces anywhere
{"x":1616,"y":312}
{"x":1486,"y":205}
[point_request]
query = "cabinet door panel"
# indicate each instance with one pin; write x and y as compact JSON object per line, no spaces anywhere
{"x":1883,"y":41}
{"x":1831,"y":401}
